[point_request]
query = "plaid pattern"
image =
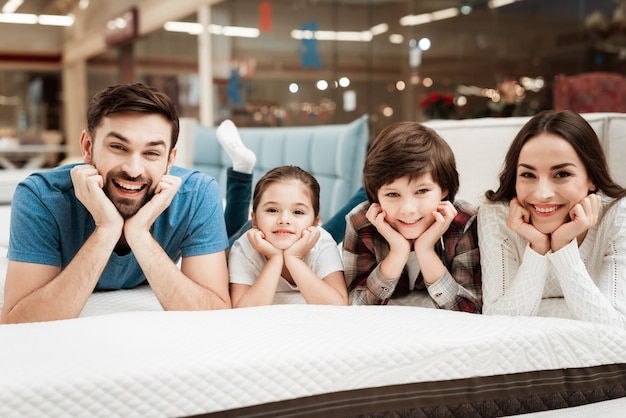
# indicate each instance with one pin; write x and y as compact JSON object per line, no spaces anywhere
{"x":458,"y":289}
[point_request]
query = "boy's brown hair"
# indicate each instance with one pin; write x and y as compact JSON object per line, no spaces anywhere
{"x":409,"y":149}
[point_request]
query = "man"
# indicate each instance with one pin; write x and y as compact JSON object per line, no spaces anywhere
{"x":123,"y":218}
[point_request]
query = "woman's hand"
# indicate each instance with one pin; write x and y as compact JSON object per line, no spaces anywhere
{"x":583,"y":216}
{"x":519,"y":222}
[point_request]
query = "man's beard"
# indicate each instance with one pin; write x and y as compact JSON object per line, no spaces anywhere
{"x":128,"y":207}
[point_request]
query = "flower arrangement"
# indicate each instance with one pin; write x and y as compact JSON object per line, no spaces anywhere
{"x":437,"y":105}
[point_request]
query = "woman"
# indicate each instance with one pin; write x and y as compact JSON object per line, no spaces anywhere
{"x":556,"y":225}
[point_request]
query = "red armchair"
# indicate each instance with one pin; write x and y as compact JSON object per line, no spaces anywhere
{"x":590,"y":92}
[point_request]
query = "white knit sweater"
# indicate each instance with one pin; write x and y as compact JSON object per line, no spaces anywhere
{"x":590,"y":277}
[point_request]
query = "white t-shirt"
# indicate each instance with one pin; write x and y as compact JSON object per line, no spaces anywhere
{"x":245,"y":263}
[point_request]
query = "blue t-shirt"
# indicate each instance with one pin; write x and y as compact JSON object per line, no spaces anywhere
{"x":49,"y":224}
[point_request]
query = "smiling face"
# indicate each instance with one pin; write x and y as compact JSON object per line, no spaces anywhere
{"x":409,"y":205}
{"x":551,"y":179}
{"x":284,"y":212}
{"x":130,"y":151}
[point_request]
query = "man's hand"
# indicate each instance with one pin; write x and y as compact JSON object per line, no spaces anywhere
{"x":88,"y":186}
{"x":583,"y":216}
{"x":163,"y":195}
{"x":444,"y":215}
{"x":519,"y":222}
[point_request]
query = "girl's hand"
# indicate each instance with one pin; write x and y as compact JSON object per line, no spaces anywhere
{"x":304,"y":244}
{"x":397,"y":243}
{"x":444,"y":215}
{"x":261,"y":245}
{"x":583,"y":216}
{"x":519,"y":222}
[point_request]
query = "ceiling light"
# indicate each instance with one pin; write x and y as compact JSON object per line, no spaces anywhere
{"x":193,"y":28}
{"x":378,"y":29}
{"x":23,"y":18}
{"x":494,"y":4}
{"x":396,"y":38}
{"x":11,"y":6}
{"x":424,"y":44}
{"x":241,"y":32}
{"x":414,"y":20}
{"x":445,"y":13}
{"x":329,"y":35}
{"x":321,"y":85}
{"x":188,"y":27}
{"x":466,"y":9}
{"x":55,"y":20}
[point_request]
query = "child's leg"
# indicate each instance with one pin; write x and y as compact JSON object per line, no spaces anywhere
{"x":243,"y":158}
{"x":238,"y":179}
{"x":238,"y":196}
{"x":336,"y":225}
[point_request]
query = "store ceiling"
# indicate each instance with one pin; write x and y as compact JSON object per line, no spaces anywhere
{"x":52,"y":7}
{"x":66,"y":6}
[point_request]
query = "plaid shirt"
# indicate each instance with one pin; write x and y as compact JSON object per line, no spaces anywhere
{"x":458,"y":289}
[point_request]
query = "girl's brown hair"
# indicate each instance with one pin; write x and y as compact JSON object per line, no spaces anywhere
{"x":286,"y":173}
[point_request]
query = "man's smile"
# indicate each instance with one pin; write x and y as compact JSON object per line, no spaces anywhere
{"x":128,"y":186}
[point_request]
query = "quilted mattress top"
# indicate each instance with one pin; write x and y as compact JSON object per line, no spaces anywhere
{"x":155,"y":363}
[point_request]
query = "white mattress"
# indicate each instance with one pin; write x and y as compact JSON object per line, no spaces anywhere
{"x":126,"y":357}
{"x":152,"y":363}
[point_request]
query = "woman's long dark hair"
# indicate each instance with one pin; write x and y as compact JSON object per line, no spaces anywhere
{"x":578,"y":133}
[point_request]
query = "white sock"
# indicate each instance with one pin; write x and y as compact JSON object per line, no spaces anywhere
{"x":243,"y":158}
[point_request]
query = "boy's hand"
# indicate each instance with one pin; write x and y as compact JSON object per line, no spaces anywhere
{"x":444,"y":215}
{"x":304,"y":244}
{"x":583,"y":216}
{"x":88,"y":187}
{"x":163,"y":194}
{"x":397,"y":243}
{"x":519,"y":222}
{"x":261,"y":245}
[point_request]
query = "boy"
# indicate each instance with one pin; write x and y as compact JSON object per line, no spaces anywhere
{"x":410,"y":235}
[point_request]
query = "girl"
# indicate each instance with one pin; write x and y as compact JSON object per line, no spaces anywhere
{"x":556,"y":226}
{"x":285,"y":250}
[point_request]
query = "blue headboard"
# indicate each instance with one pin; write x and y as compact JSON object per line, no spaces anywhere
{"x":334,"y":154}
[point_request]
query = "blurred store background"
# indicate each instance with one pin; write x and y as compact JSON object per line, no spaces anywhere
{"x":300,"y":62}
